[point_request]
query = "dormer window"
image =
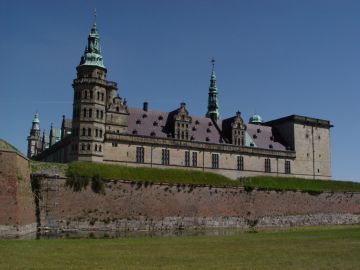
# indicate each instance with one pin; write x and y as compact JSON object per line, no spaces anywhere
{"x":134,"y":132}
{"x":144,"y":115}
{"x":152,"y":134}
{"x":197,"y":122}
{"x":155,"y":123}
{"x":161,"y":117}
{"x":138,"y":122}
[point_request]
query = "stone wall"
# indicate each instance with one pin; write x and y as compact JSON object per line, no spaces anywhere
{"x":145,"y":206}
{"x":17,"y":208}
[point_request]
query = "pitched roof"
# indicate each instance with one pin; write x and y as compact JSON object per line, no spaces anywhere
{"x":202,"y":129}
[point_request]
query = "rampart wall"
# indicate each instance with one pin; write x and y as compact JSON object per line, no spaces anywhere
{"x":144,"y":206}
{"x":17,"y":207}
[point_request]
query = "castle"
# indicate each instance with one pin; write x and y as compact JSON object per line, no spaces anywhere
{"x":104,"y":128}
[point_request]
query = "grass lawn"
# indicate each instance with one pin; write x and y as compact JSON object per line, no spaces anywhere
{"x":306,"y":248}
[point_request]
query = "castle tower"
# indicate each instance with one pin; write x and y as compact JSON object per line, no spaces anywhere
{"x":34,"y":139}
{"x":213,"y":107}
{"x":96,"y":108}
{"x":89,"y":104}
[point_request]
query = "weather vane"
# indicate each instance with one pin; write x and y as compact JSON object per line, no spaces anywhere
{"x":212,"y":62}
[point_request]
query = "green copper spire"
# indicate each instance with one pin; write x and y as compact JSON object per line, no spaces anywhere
{"x":213,"y":107}
{"x":92,"y":54}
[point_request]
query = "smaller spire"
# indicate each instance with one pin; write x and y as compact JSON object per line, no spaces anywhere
{"x":213,"y":106}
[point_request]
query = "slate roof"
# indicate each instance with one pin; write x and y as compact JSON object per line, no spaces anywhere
{"x":202,"y":129}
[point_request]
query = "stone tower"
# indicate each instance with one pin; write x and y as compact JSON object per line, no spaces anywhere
{"x":96,"y":106}
{"x":213,"y":106}
{"x":34,"y":140}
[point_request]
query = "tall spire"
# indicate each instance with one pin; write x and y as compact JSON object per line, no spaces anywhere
{"x":213,"y":107}
{"x":92,"y":54}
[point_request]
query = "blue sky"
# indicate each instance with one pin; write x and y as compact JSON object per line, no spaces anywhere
{"x":276,"y":57}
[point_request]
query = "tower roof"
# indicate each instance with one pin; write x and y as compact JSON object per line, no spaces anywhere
{"x":36,"y":119}
{"x":255,"y":119}
{"x":213,"y":106}
{"x":92,"y":54}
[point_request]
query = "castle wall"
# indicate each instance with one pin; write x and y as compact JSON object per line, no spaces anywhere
{"x":17,"y":209}
{"x":125,"y":153}
{"x":145,"y":206}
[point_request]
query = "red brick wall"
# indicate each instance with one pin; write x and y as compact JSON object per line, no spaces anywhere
{"x":16,"y":199}
{"x":134,"y":202}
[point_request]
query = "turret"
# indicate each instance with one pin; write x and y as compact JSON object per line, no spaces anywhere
{"x":34,"y":140}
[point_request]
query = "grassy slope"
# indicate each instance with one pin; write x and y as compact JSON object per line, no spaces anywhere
{"x":309,"y":248}
{"x":175,"y":176}
{"x":178,"y":176}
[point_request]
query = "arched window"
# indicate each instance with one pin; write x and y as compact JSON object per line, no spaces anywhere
{"x":101,"y":133}
{"x":82,"y":146}
{"x":83,"y":132}
{"x":95,"y":147}
{"x":102,"y":96}
{"x":84,"y":112}
{"x":97,"y":113}
{"x":90,"y":112}
{"x":89,"y":131}
{"x":98,"y":95}
{"x":102,"y":115}
{"x":91,"y":94}
{"x":85,"y":94}
{"x":99,"y":148}
{"x":88,"y":146}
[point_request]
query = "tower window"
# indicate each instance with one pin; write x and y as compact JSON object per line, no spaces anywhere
{"x":215,"y":161}
{"x":82,"y":146}
{"x":140,"y":154}
{"x":267,"y":165}
{"x":165,"y":156}
{"x":88,"y":146}
{"x":91,"y":94}
{"x":90,"y":112}
{"x":102,"y":96}
{"x":97,"y":114}
{"x":240,"y":163}
{"x":98,"y":95}
{"x":83,"y":132}
{"x":96,"y":148}
{"x":96,"y":132}
{"x":85,"y":94}
{"x":287,"y":167}
{"x":101,"y":114}
{"x":101,"y":133}
{"x":89,"y":131}
{"x":84,"y":112}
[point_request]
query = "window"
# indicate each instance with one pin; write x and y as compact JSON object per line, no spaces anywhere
{"x":96,"y":132}
{"x":215,"y":161}
{"x":84,"y":115}
{"x":287,"y":167}
{"x":89,"y":131}
{"x":102,"y":96}
{"x":240,"y":163}
{"x":90,"y":112}
{"x":88,"y":146}
{"x":194,"y":159}
{"x":140,"y":154}
{"x":85,"y":94}
{"x":97,"y":114}
{"x":83,"y":132}
{"x":96,"y":148}
{"x":267,"y":165}
{"x":187,"y":158}
{"x":102,"y":115}
{"x":91,"y":94}
{"x":99,"y":148}
{"x":82,"y":146}
{"x":165,"y":157}
{"x":98,"y":95}
{"x":100,"y":133}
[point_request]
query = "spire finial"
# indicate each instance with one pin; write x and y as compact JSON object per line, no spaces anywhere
{"x":212,"y":61}
{"x":94,"y":15}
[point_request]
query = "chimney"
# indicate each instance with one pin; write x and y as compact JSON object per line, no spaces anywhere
{"x":145,"y":106}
